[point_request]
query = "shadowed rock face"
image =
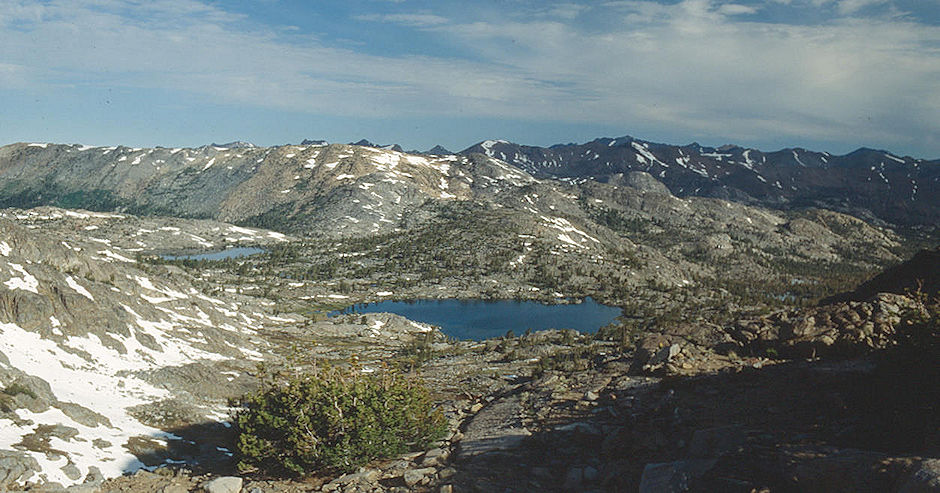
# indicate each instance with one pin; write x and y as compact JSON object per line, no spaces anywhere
{"x":920,"y":273}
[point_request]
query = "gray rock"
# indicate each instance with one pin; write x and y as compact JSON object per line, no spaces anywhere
{"x":94,"y":475}
{"x":83,"y":415}
{"x":415,"y":476}
{"x":224,"y":484}
{"x":665,"y":355}
{"x":496,"y":428}
{"x":580,"y":427}
{"x":84,"y":488}
{"x":639,"y":180}
{"x":434,"y":457}
{"x":924,"y":479}
{"x":362,"y":476}
{"x":15,"y":468}
{"x":71,"y":471}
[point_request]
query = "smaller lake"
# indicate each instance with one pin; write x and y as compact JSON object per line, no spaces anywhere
{"x":478,"y":320}
{"x":222,"y":255}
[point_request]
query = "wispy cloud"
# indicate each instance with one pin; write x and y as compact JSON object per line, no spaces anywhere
{"x":736,"y":9}
{"x":852,"y":6}
{"x":416,"y":20}
{"x":700,"y":68}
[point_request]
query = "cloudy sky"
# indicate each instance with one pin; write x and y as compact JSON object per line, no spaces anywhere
{"x":828,"y":75}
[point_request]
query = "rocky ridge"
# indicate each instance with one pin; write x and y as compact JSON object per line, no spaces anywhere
{"x":630,"y":232}
{"x":867,"y":183}
{"x":328,"y":189}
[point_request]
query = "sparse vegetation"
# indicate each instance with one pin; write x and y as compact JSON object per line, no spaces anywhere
{"x":333,"y":420}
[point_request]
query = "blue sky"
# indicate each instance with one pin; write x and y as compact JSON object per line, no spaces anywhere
{"x":828,"y":75}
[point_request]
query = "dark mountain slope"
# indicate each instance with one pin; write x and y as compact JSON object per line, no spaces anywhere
{"x":867,"y":183}
{"x":920,"y":273}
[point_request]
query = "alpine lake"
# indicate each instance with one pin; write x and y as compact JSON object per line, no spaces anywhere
{"x":478,"y":320}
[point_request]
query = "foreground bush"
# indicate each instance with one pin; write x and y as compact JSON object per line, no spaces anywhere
{"x":333,"y":420}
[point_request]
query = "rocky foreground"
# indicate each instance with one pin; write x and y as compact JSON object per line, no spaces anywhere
{"x":584,"y":419}
{"x":792,"y":401}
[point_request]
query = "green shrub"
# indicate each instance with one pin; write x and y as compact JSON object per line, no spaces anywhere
{"x":333,"y":420}
{"x":416,"y":352}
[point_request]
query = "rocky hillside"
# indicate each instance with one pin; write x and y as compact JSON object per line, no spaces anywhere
{"x":108,"y":364}
{"x":867,"y":183}
{"x":313,"y":189}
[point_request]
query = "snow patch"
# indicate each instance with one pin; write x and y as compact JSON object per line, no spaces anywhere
{"x":26,"y":283}
{"x":72,"y":283}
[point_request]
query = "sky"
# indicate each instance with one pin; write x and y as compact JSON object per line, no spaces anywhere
{"x":827,"y":75}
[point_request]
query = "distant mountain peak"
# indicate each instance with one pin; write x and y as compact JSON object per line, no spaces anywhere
{"x":238,"y":144}
{"x":309,"y":142}
{"x":367,"y":143}
{"x":439,"y":150}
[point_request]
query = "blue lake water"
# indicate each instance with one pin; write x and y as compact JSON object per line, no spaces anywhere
{"x":222,"y":255}
{"x":477,"y":320}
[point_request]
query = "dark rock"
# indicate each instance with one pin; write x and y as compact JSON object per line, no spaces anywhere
{"x":712,"y":443}
{"x":673,"y":477}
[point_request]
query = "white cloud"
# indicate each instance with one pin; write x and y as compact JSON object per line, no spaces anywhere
{"x":736,"y":9}
{"x":14,"y":76}
{"x":853,"y":6}
{"x":695,"y":67}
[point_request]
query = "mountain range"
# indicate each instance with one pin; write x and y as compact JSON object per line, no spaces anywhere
{"x":241,"y":182}
{"x":867,"y":183}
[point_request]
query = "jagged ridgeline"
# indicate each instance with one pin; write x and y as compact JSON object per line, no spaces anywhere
{"x":317,"y":189}
{"x":638,"y":225}
{"x":312,"y":185}
{"x":867,"y":183}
